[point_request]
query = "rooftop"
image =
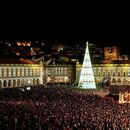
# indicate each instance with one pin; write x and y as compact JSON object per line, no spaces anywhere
{"x":14,"y":61}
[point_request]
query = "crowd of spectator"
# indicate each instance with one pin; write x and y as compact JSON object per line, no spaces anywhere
{"x":61,"y":109}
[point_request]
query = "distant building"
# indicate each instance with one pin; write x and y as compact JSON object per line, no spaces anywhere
{"x":59,"y":74}
{"x":114,"y":69}
{"x":18,"y":73}
{"x":110,"y":71}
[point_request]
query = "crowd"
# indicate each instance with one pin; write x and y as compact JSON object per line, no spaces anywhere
{"x":61,"y":109}
{"x":115,"y":89}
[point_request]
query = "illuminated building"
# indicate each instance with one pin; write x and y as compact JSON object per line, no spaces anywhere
{"x":59,"y":74}
{"x":17,"y":73}
{"x":111,"y":71}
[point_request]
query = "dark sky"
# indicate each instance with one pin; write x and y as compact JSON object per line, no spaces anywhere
{"x":101,"y":26}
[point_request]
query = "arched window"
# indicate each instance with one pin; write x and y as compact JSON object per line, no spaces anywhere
{"x":0,"y":84}
{"x":14,"y":83}
{"x":18,"y":82}
{"x":5,"y":83}
{"x":9,"y":83}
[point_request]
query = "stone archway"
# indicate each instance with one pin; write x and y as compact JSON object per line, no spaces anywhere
{"x":27,"y":82}
{"x":22,"y":82}
{"x":119,"y":80}
{"x":5,"y":83}
{"x":124,"y":81}
{"x":9,"y":83}
{"x":38,"y":81}
{"x":113,"y":81}
{"x":1,"y":84}
{"x":30,"y":82}
{"x":14,"y":83}
{"x":18,"y":82}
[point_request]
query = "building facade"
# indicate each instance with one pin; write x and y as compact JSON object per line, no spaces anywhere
{"x":59,"y":74}
{"x":110,"y":71}
{"x":109,"y":74}
{"x":113,"y":70}
{"x":20,"y":73}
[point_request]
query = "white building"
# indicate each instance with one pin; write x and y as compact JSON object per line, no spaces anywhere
{"x":17,"y":73}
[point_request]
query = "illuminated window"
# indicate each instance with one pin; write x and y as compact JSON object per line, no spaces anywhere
{"x":38,"y":72}
{"x":34,"y":72}
{"x":58,"y":70}
{"x":61,"y":70}
{"x":99,"y":71}
{"x":26,"y":71}
{"x":118,"y":71}
{"x":14,"y":72}
{"x":30,"y":71}
{"x":104,"y":71}
{"x":113,"y":72}
{"x":94,"y":71}
{"x":18,"y":69}
{"x":109,"y":72}
{"x":124,"y":74}
{"x":22,"y":71}
{"x":124,"y":71}
{"x":5,"y":72}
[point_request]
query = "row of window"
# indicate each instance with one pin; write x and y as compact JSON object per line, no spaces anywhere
{"x":57,"y":71}
{"x":113,"y":73}
{"x":19,"y":72}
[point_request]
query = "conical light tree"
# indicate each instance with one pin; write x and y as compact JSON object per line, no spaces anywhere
{"x":86,"y":80}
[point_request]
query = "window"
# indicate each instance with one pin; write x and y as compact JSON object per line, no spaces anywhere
{"x":22,"y":71}
{"x":38,"y":72}
{"x":14,"y":72}
{"x":109,"y":74}
{"x":94,"y":71}
{"x":118,"y":71}
{"x":5,"y":72}
{"x":30,"y":71}
{"x":18,"y":71}
{"x":26,"y":71}
{"x":104,"y":71}
{"x":99,"y":71}
{"x":124,"y":74}
{"x":61,"y":70}
{"x":113,"y":72}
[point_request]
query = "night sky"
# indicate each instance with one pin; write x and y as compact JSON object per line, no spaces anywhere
{"x":68,"y":25}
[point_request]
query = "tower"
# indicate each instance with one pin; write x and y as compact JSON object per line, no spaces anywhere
{"x":86,"y":80}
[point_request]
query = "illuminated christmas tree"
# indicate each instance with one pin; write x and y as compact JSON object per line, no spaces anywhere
{"x":86,"y":80}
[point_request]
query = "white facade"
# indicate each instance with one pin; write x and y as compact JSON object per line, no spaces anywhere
{"x":18,"y":75}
